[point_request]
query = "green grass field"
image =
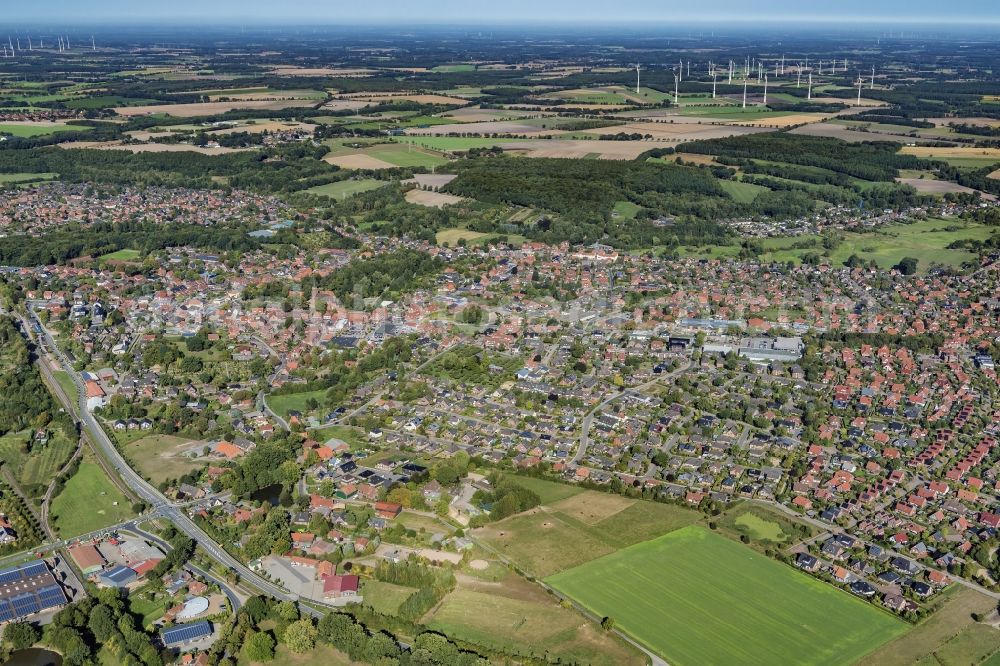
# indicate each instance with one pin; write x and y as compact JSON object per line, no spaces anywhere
{"x":741,"y":192}
{"x":120,"y":255}
{"x":88,"y":502}
{"x":158,"y":457}
{"x":458,"y":67}
{"x":695,"y":597}
{"x":579,"y":528}
{"x":452,"y":236}
{"x":346,"y":188}
{"x":68,"y":385}
{"x":550,"y":492}
{"x":15,"y":178}
{"x":626,"y":209}
{"x":456,"y":143}
{"x":282,"y":404}
{"x":385,"y":598}
{"x":518,"y":616}
{"x":27,"y":131}
{"x":404,"y":156}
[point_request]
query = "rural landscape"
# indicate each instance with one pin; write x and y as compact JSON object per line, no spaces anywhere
{"x":458,"y":336}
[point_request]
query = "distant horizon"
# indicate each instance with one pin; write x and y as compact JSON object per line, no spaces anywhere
{"x":555,"y":13}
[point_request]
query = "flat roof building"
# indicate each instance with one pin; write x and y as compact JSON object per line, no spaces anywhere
{"x":28,"y":589}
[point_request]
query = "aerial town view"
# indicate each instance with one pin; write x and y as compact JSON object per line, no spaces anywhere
{"x":446,"y":333}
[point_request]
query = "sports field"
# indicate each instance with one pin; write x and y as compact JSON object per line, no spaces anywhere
{"x":695,"y":597}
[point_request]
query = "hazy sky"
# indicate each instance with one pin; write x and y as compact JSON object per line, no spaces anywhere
{"x":484,"y":11}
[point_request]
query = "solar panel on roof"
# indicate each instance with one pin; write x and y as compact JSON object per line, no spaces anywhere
{"x":22,"y":571}
{"x":186,"y":632}
{"x":6,"y":613}
{"x":51,"y":595}
{"x":25,"y":604}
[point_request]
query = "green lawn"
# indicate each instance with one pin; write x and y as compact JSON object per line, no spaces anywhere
{"x":88,"y":502}
{"x":404,"y":156}
{"x":25,"y":131}
{"x":282,"y":404}
{"x":345,"y":188}
{"x":550,"y":492}
{"x":67,"y":384}
{"x":626,"y":209}
{"x":13,"y":178}
{"x":355,"y":437}
{"x":457,"y":143}
{"x":695,"y":597}
{"x":120,"y":255}
{"x":385,"y":598}
{"x":160,"y":457}
{"x":741,"y":192}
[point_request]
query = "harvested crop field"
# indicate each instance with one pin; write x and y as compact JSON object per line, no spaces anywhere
{"x":475,"y":114}
{"x":358,"y":161}
{"x":151,"y":147}
{"x":937,"y":152}
{"x":580,"y":148}
{"x":196,"y":109}
{"x":486,"y":128}
{"x":431,"y":179}
{"x":681,"y":131}
{"x":845,"y":133}
{"x":415,"y":97}
{"x":432,"y":199}
{"x":291,"y":70}
{"x":695,"y":597}
{"x":930,"y":186}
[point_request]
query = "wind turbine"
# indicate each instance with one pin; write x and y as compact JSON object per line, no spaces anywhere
{"x":636,"y":78}
{"x":93,"y":44}
{"x":30,"y":48}
{"x":809,"y":94}
{"x":860,"y":83}
{"x":744,"y":93}
{"x":873,"y":78}
{"x":676,"y":90}
{"x":67,"y":43}
{"x":765,"y":90}
{"x":798,"y":79}
{"x":689,"y":69}
{"x":714,"y":76}
{"x":782,"y":64}
{"x":731,"y":72}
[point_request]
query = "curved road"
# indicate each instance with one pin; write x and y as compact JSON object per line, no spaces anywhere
{"x":148,"y":493}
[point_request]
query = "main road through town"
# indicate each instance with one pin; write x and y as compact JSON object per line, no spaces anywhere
{"x":143,"y":489}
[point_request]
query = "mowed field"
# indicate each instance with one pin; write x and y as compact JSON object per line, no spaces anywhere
{"x":39,"y":128}
{"x":347,"y":188}
{"x":579,"y":528}
{"x":88,"y":502}
{"x":518,"y":616}
{"x":161,"y":457}
{"x":695,"y":597}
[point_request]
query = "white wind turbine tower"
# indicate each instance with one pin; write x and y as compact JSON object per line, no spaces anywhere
{"x":809,"y":94}
{"x":30,"y":47}
{"x":731,"y":64}
{"x":860,"y":83}
{"x":689,"y":69}
{"x":765,"y":90}
{"x":636,"y":78}
{"x":67,"y":43}
{"x":798,"y":78}
{"x":676,"y":90}
{"x":714,"y":76}
{"x":744,"y":93}
{"x":680,"y":69}
{"x":873,"y":78}
{"x":782,"y":64}
{"x":845,"y":64}
{"x":93,"y":44}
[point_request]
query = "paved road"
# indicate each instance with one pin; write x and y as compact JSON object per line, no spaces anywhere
{"x":581,"y":450}
{"x":148,"y":493}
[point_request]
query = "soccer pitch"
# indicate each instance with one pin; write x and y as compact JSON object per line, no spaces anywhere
{"x":695,"y":597}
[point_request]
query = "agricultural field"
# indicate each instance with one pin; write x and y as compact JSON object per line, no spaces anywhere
{"x":27,"y":130}
{"x":549,"y":492}
{"x":515,"y":615}
{"x":21,"y":178}
{"x":949,"y":636}
{"x":162,"y":457}
{"x":579,"y":528}
{"x":89,"y":502}
{"x":346,"y":188}
{"x":34,"y":469}
{"x":695,"y":597}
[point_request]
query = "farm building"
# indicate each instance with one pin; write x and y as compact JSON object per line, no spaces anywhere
{"x":28,"y":589}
